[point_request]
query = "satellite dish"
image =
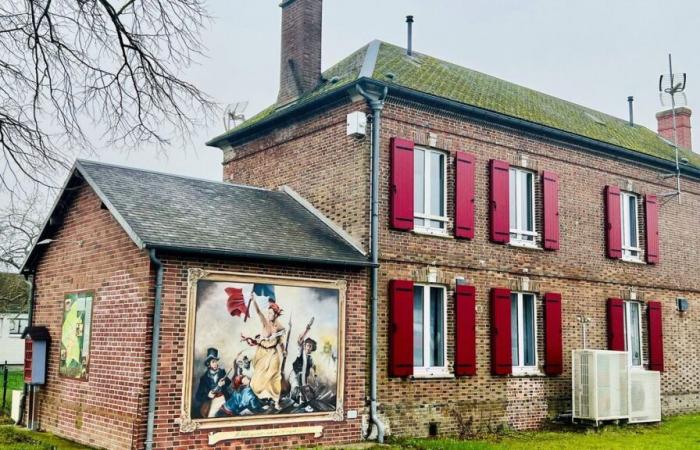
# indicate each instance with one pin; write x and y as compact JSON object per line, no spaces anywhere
{"x":234,"y":114}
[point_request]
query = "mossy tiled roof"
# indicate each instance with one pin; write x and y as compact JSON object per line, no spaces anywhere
{"x":422,"y":73}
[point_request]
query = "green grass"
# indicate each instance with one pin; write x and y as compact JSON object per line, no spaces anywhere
{"x":679,"y":432}
{"x":15,"y":382}
{"x":15,"y":438}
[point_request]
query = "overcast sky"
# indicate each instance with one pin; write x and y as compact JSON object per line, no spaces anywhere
{"x":593,"y":52}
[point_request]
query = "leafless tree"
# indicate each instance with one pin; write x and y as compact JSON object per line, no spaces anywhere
{"x":76,"y":71}
{"x":20,"y":223}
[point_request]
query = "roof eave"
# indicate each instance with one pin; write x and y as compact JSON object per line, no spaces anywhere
{"x":258,"y":256}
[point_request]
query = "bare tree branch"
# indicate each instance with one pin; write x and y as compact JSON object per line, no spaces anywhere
{"x":74,"y":73}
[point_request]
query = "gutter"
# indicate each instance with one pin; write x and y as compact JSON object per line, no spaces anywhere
{"x":29,"y":279}
{"x":258,"y":256}
{"x":155,"y":341}
{"x":376,"y":102}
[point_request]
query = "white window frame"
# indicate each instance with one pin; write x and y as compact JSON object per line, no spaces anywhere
{"x":628,"y":336}
{"x":426,"y":371}
{"x":517,"y":233}
{"x":522,"y":369}
{"x":629,"y":253}
{"x":426,"y":216}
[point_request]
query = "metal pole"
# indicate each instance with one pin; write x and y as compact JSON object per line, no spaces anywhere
{"x":675,"y":137}
{"x":409,"y":46}
{"x":630,"y":100}
{"x":4,"y":384}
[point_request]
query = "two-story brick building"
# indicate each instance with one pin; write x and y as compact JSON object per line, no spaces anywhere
{"x":501,"y":228}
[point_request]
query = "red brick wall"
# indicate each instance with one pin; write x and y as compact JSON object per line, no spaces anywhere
{"x":579,"y":271}
{"x":170,"y":372}
{"x":105,"y":410}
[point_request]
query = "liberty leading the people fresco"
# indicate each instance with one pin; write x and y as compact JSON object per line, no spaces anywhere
{"x":263,"y":348}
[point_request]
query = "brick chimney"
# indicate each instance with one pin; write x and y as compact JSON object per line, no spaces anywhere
{"x":665,"y":125}
{"x":300,"y":68}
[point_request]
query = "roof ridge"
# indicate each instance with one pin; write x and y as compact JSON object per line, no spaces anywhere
{"x":175,"y":175}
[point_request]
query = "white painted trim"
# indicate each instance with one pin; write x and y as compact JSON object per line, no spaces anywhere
{"x":319,"y":215}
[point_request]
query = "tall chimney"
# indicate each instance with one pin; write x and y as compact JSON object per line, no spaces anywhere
{"x":665,"y":126}
{"x":300,"y":65}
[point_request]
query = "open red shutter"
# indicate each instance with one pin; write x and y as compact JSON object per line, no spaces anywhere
{"x":501,"y":357}
{"x":401,"y":328}
{"x":401,"y":189}
{"x":656,"y":336}
{"x":651,"y":208}
{"x":616,"y":324}
{"x":552,"y":334}
{"x":500,"y":197}
{"x":550,"y":191}
{"x":613,"y":226}
{"x":465,"y":330}
{"x":464,"y":195}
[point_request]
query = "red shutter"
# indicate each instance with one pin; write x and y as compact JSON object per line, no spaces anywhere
{"x":550,"y":191}
{"x":465,"y":330}
{"x":613,"y":226}
{"x":501,"y":357}
{"x":616,"y":324}
{"x":651,"y":208}
{"x":656,"y":337}
{"x":401,"y":328}
{"x":401,"y":189}
{"x":552,"y":334}
{"x":500,"y":196}
{"x":464,"y":195}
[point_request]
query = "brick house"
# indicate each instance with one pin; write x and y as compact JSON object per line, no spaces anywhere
{"x":487,"y":228}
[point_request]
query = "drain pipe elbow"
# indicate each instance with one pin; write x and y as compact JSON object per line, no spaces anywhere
{"x":155,"y":341}
{"x":376,"y":102}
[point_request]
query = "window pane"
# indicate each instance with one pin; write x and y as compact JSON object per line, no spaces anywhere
{"x":436,"y":184}
{"x":418,"y":181}
{"x":514,"y":348}
{"x":513,"y":206}
{"x":418,"y":326}
{"x":633,"y":330}
{"x":632,"y":220}
{"x":436,"y":224}
{"x":529,"y":202}
{"x":436,"y":327}
{"x":529,"y":330}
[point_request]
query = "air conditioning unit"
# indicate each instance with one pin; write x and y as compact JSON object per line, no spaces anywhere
{"x":645,"y":396}
{"x":600,"y":385}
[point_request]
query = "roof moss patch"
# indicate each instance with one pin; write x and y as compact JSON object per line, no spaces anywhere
{"x":441,"y":79}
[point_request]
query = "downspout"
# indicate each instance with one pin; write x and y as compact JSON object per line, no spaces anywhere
{"x":376,"y":102}
{"x":29,"y":279}
{"x":155,"y":341}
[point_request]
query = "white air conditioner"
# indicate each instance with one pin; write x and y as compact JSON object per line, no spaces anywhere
{"x":600,"y":385}
{"x":645,"y":396}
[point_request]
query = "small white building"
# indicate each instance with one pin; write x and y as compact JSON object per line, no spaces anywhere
{"x":11,"y":342}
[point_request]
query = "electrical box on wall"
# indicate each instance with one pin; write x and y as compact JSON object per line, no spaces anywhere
{"x":36,"y":346}
{"x":357,"y":124}
{"x":682,"y":304}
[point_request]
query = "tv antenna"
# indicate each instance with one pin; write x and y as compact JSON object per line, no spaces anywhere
{"x":234,"y":114}
{"x":673,"y":85}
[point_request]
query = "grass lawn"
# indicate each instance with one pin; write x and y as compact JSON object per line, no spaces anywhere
{"x":15,"y":438}
{"x":679,"y":432}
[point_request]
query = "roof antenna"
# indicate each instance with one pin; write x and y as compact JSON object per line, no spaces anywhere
{"x":409,"y":47}
{"x":630,"y":100}
{"x":672,"y":85}
{"x":234,"y":115}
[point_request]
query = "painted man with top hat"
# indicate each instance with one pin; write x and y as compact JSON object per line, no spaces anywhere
{"x":212,"y":391}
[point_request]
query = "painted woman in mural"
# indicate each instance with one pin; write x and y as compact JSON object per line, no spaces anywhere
{"x":266,"y":382}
